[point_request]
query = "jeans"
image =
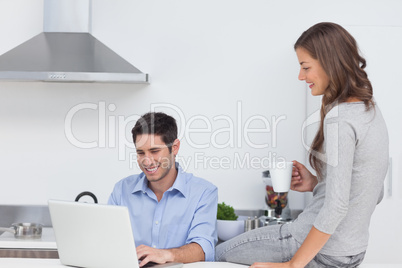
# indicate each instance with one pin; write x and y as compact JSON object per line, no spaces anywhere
{"x":274,"y":244}
{"x":322,"y":260}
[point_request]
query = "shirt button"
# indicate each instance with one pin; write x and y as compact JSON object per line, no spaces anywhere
{"x":156,"y":222}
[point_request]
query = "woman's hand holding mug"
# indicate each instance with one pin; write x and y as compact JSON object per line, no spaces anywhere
{"x":302,"y":179}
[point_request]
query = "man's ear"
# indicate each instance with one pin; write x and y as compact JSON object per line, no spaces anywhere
{"x":176,"y":147}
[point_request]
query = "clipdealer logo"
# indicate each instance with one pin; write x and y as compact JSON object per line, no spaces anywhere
{"x":221,"y":131}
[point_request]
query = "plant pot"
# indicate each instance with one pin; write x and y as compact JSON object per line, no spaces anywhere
{"x":229,"y":229}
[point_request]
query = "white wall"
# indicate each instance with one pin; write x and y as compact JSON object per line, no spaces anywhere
{"x":203,"y":66}
{"x":206,"y":59}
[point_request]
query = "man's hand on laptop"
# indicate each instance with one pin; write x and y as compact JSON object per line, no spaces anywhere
{"x":188,"y":253}
{"x":148,"y":254}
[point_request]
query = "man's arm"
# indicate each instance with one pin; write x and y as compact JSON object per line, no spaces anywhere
{"x":185,"y":254}
{"x":203,"y":226}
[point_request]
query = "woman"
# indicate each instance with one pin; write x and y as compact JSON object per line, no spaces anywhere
{"x":349,"y":155}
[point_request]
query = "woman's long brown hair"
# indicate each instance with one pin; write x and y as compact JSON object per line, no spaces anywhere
{"x":337,"y":52}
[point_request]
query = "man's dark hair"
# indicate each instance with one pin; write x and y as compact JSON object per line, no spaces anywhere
{"x":158,"y":124}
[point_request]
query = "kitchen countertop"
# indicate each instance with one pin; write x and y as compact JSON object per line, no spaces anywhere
{"x":55,"y":263}
{"x":44,"y":247}
{"x":380,"y":265}
{"x":47,"y":241}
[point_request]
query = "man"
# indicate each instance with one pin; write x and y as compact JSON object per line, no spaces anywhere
{"x":173,"y":213}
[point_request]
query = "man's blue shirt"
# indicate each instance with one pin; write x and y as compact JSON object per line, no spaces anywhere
{"x":185,"y":214}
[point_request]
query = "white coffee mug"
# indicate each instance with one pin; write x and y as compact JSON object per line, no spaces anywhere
{"x":281,"y":176}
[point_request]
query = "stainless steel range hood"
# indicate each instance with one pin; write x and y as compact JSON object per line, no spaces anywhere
{"x":66,"y":51}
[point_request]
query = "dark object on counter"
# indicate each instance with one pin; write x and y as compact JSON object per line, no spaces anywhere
{"x":84,"y":194}
{"x":278,"y":209}
{"x":266,"y":174}
{"x":25,"y":230}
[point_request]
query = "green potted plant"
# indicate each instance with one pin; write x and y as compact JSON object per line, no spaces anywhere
{"x":228,"y":225}
{"x":226,"y":212}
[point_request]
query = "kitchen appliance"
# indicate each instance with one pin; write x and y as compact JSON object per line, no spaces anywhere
{"x":25,"y":230}
{"x":86,"y":193}
{"x":275,"y":203}
{"x":66,"y":51}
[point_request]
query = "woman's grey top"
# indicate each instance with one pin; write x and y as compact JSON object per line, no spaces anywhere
{"x":356,"y":156}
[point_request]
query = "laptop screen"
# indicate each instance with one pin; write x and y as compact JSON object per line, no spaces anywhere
{"x":94,"y":235}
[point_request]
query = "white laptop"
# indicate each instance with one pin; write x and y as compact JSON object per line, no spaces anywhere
{"x":94,"y":235}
